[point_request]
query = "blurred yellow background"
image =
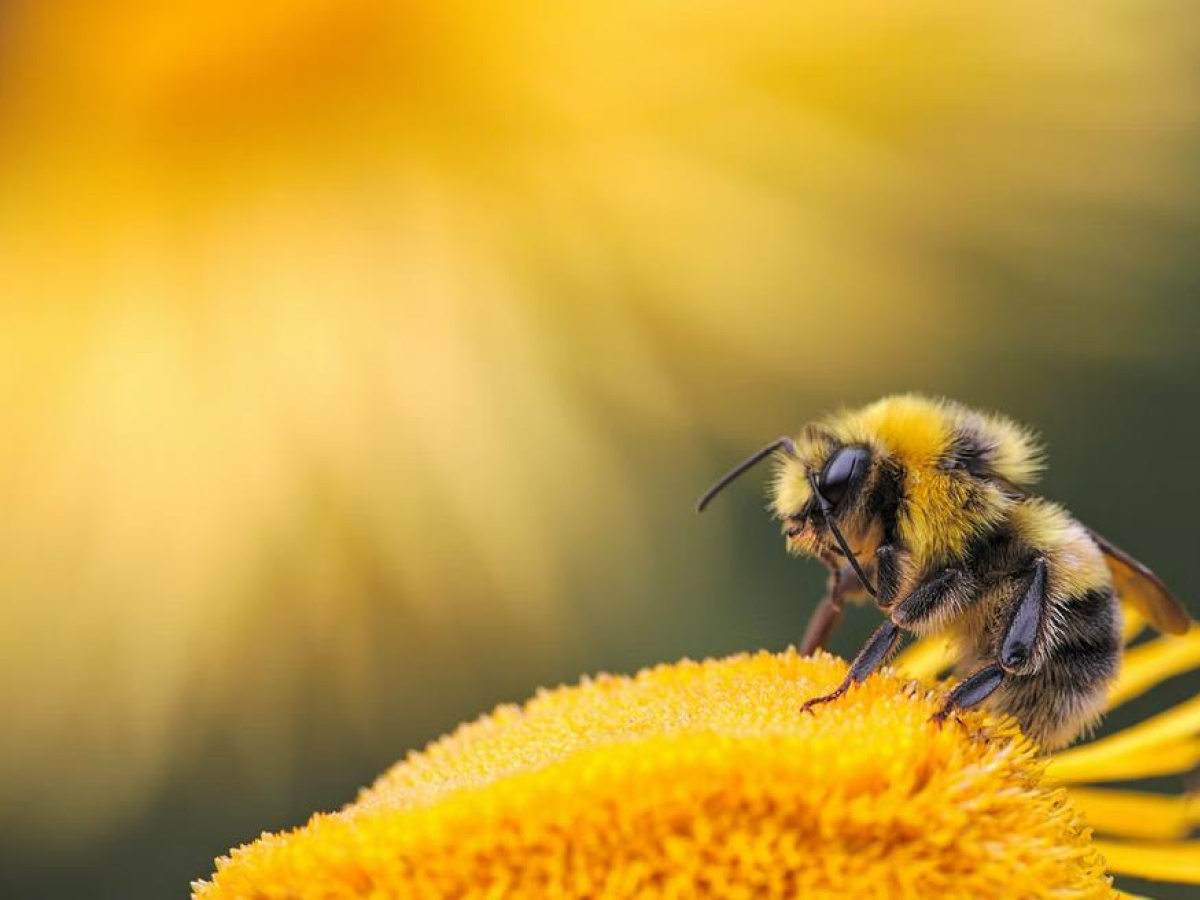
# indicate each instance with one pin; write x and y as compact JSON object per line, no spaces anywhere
{"x":360,"y":361}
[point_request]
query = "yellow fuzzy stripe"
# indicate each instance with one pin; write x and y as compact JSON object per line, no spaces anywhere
{"x":1153,"y":663}
{"x":1177,"y":861}
{"x":1133,"y":814}
{"x":914,"y":429}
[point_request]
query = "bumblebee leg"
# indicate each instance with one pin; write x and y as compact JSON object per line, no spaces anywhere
{"x":873,"y":654}
{"x":972,"y":691}
{"x":887,"y":574}
{"x":821,"y":625}
{"x":826,"y":618}
{"x":934,"y":596}
{"x":1022,"y":631}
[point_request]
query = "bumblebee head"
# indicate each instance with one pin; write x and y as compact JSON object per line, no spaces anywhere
{"x":824,"y":492}
{"x":941,"y":471}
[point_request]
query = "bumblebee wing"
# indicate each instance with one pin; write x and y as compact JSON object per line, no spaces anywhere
{"x":1142,"y":589}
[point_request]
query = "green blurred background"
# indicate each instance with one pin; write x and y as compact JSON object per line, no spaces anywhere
{"x":361,"y":361}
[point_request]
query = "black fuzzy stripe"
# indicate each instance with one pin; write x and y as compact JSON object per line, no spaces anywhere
{"x":998,"y":549}
{"x":1088,"y":650}
{"x":1091,"y":617}
{"x":971,"y":449}
{"x":886,"y":496}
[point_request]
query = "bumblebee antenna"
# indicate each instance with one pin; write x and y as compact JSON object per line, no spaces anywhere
{"x":827,"y":512}
{"x":784,"y":443}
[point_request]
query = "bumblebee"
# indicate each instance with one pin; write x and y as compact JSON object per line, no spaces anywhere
{"x":925,"y":505}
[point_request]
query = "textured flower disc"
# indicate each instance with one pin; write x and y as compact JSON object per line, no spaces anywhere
{"x":698,"y":780}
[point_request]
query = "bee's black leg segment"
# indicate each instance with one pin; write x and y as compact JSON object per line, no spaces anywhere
{"x":877,"y":649}
{"x":1022,"y":631}
{"x":972,"y":691}
{"x":930,"y":597}
{"x":887,"y":574}
{"x":826,"y":618}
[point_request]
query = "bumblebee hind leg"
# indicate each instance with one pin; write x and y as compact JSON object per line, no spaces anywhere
{"x":1066,"y":696}
{"x":1016,"y":648}
{"x":1066,"y":693}
{"x":972,"y":691}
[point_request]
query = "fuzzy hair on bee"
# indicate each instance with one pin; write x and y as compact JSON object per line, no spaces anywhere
{"x":925,"y":506}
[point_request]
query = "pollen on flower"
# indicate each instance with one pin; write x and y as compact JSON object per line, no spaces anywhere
{"x":697,"y":779}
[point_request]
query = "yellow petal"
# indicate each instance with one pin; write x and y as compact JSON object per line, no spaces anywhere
{"x":1079,"y":765}
{"x":1156,"y":735}
{"x":1133,"y":814}
{"x":1176,"y":861}
{"x":1154,"y":662}
{"x":1132,"y":624}
{"x":926,"y":659}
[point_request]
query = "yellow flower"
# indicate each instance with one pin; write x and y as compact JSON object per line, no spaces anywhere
{"x":703,"y":779}
{"x":407,"y":279}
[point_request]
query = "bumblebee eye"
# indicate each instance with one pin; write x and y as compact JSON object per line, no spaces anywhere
{"x":838,"y":472}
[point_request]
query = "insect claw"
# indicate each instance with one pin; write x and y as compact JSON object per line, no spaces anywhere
{"x":939,"y":718}
{"x":816,"y":701}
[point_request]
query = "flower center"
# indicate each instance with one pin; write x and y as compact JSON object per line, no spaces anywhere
{"x":695,"y":780}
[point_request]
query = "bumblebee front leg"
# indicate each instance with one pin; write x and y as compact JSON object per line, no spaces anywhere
{"x":873,"y":654}
{"x":933,"y":595}
{"x":843,"y":583}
